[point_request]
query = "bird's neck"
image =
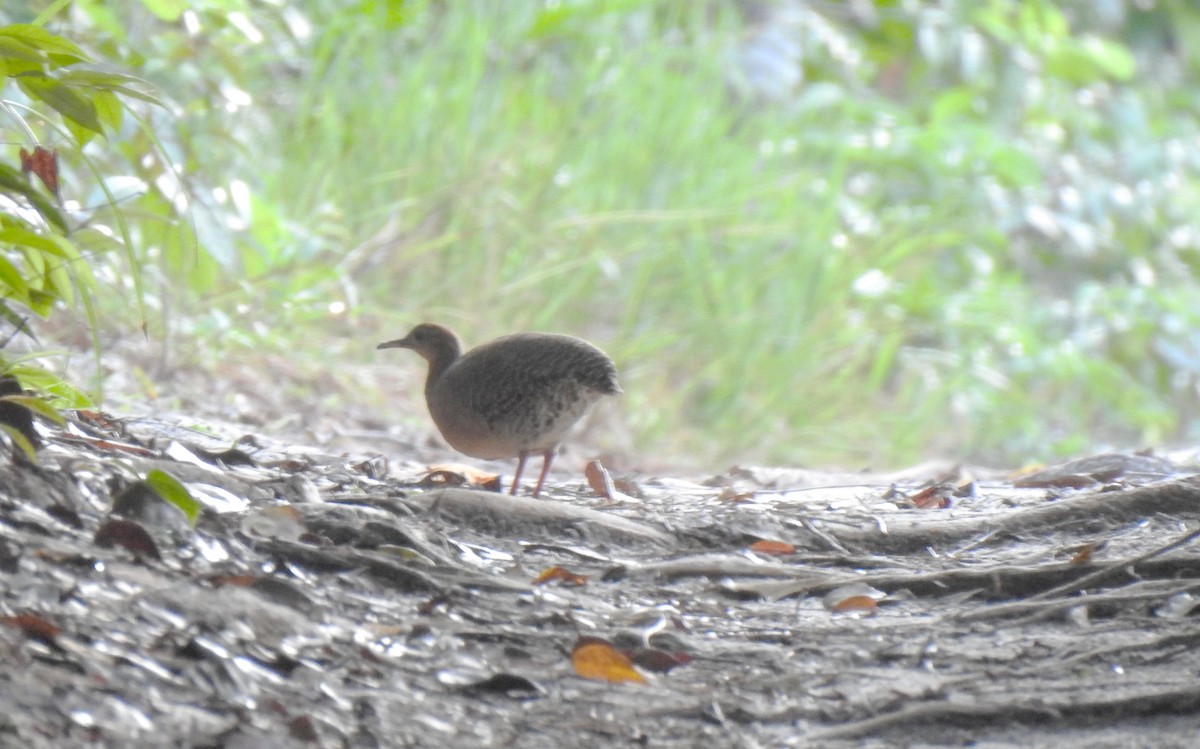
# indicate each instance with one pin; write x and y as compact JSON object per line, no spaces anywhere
{"x":439,"y":363}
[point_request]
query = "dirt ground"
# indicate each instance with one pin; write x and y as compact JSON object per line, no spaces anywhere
{"x":324,"y":597}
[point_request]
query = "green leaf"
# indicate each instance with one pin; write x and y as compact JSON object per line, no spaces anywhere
{"x":37,"y":265}
{"x":59,"y":281}
{"x":63,"y":394}
{"x":18,"y":289}
{"x":128,"y":85}
{"x":81,"y":272}
{"x":38,"y":406}
{"x":21,"y":441}
{"x":41,"y":302}
{"x":169,"y":488}
{"x":81,"y":134}
{"x":109,"y":109}
{"x":66,"y":100}
{"x":38,"y":38}
{"x":15,"y":49}
{"x":24,"y":237}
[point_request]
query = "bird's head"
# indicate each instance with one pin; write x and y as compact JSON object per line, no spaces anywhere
{"x":437,"y":344}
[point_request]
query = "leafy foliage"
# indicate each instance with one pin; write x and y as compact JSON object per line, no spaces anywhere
{"x":43,"y":259}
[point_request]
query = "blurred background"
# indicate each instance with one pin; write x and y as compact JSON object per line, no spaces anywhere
{"x":855,"y":234}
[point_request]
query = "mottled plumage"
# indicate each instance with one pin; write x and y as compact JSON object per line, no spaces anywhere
{"x":513,"y":397}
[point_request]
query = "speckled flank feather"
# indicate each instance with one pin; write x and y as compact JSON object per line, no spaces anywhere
{"x":514,"y":396}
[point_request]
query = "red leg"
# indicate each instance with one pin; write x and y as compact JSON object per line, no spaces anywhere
{"x":547,"y":459}
{"x":517,"y":476}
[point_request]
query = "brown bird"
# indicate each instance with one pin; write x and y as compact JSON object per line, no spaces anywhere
{"x":513,"y":397}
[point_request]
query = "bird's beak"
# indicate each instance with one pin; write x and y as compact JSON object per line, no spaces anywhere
{"x":398,"y":343}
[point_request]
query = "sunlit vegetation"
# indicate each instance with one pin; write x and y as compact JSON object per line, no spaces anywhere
{"x":858,"y":233}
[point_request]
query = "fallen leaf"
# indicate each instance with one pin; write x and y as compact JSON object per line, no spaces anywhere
{"x":175,"y":493}
{"x":853,"y":598}
{"x":659,"y":661}
{"x":241,"y":581}
{"x":458,"y":474}
{"x":502,"y":683}
{"x":936,"y":497}
{"x":231,"y":457}
{"x":561,"y":574}
{"x":855,"y":604}
{"x":602,"y":483}
{"x":729,"y":494}
{"x":775,"y":548}
{"x":1082,"y":554}
{"x":129,"y":535}
{"x":34,"y":627}
{"x":599,"y":660}
{"x":599,"y":480}
{"x":301,"y":728}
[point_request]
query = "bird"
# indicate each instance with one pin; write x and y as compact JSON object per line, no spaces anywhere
{"x":513,"y":397}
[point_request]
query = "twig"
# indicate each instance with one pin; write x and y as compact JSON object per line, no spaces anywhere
{"x":1100,"y":574}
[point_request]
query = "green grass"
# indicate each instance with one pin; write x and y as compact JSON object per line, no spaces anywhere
{"x":851,"y":275}
{"x":615,"y":189}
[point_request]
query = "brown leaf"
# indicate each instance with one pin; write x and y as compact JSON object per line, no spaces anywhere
{"x":936,"y":497}
{"x":561,"y":574}
{"x":775,"y":548}
{"x":301,"y":728}
{"x":43,"y":163}
{"x":659,"y":661}
{"x":240,"y":581}
{"x":503,"y":683}
{"x":729,"y":494}
{"x":128,"y":534}
{"x":602,"y":483}
{"x":599,"y":660}
{"x":1083,"y":553}
{"x":34,"y":627}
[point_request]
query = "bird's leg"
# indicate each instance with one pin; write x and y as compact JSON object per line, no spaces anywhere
{"x":517,"y":476}
{"x":547,"y":459}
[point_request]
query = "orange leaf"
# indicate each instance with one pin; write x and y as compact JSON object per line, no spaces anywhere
{"x":1084,"y":556}
{"x":853,"y":598}
{"x":777,"y":548}
{"x":562,"y":574}
{"x":603,"y":662}
{"x":457,"y":474}
{"x":855,"y":604}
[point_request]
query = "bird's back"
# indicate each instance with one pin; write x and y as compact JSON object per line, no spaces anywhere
{"x":519,"y":392}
